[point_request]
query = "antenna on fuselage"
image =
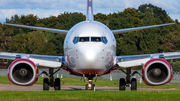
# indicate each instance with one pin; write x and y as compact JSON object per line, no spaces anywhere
{"x":89,"y":13}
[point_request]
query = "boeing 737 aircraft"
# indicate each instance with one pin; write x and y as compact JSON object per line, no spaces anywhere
{"x":89,"y":51}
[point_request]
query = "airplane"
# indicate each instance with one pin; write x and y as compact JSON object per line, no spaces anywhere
{"x":89,"y":52}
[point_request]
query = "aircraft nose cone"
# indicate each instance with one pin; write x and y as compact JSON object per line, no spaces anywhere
{"x":90,"y":55}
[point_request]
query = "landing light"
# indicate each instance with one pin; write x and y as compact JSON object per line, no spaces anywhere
{"x":89,"y":85}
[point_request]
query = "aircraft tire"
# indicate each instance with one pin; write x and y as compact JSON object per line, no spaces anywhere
{"x":86,"y":87}
{"x":57,"y":84}
{"x":93,"y":86}
{"x":122,"y":84}
{"x":45,"y":84}
{"x":133,"y":84}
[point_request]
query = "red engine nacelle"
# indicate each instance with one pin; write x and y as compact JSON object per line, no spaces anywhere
{"x":23,"y":72}
{"x":157,"y":72}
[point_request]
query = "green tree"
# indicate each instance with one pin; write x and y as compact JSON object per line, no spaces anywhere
{"x":73,"y":19}
{"x":35,"y":42}
{"x":157,"y":11}
{"x":29,"y":19}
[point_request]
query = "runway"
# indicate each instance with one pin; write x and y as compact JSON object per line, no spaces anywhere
{"x":11,"y":87}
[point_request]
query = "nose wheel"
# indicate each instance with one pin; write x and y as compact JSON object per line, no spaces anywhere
{"x":90,"y":85}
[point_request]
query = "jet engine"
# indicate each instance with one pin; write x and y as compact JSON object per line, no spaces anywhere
{"x":23,"y":72}
{"x":157,"y":72}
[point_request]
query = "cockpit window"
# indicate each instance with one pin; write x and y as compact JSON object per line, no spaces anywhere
{"x":99,"y":39}
{"x":87,"y":39}
{"x":83,"y":39}
{"x":75,"y":40}
{"x":96,"y":39}
{"x":104,"y":40}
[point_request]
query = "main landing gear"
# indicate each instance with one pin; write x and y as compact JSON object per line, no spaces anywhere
{"x":90,"y":85}
{"x":128,"y":83}
{"x":51,"y":82}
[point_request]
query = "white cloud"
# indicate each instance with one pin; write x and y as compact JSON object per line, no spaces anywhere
{"x":39,"y":4}
{"x":43,"y":14}
{"x":172,"y":6}
{"x":79,"y":4}
{"x":7,"y":13}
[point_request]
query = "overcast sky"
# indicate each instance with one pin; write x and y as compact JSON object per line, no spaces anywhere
{"x":46,"y":8}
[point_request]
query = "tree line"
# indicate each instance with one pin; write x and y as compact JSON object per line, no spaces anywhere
{"x":155,"y":40}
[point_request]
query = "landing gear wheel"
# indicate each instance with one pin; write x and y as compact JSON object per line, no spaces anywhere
{"x":86,"y":87}
{"x":133,"y":84}
{"x":93,"y":86}
{"x":122,"y":84}
{"x":46,"y":84}
{"x":57,"y":84}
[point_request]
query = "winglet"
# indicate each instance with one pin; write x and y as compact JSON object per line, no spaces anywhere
{"x":89,"y":13}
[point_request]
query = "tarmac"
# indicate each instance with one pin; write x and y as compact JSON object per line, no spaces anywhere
{"x":11,"y":87}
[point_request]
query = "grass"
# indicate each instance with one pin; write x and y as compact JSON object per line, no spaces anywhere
{"x":157,"y":95}
{"x":4,"y":80}
{"x":100,"y":83}
{"x":90,"y":95}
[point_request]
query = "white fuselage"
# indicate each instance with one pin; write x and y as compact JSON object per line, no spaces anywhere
{"x":94,"y":54}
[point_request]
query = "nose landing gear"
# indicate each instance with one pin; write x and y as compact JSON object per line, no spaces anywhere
{"x":90,"y":85}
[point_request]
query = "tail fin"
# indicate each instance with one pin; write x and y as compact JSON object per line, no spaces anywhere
{"x":89,"y":13}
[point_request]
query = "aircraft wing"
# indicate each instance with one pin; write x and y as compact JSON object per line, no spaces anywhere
{"x":138,"y":28}
{"x":40,"y":60}
{"x":140,"y":60}
{"x":40,"y":28}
